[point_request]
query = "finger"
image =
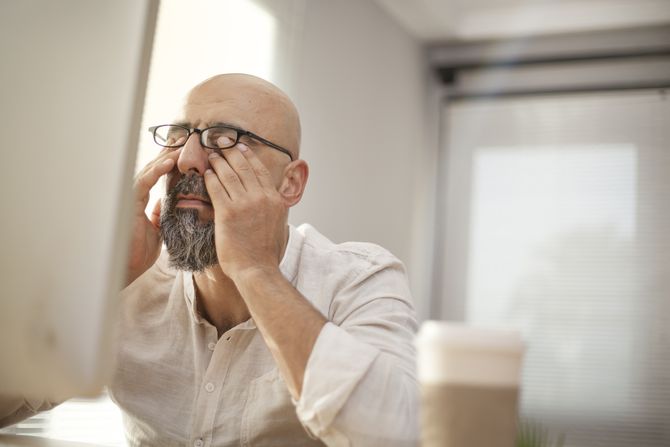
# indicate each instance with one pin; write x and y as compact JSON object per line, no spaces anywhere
{"x":215,"y":189}
{"x":156,"y":214}
{"x":164,"y":154}
{"x":261,"y":172}
{"x":153,"y":171}
{"x":148,"y":179}
{"x":227,"y":176}
{"x":241,"y":166}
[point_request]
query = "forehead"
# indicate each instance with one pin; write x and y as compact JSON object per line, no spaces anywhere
{"x":246,"y":102}
{"x":245,"y":106}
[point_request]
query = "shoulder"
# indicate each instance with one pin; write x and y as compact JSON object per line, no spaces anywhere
{"x":360,"y":286}
{"x":349,"y":258}
{"x":342,"y":276}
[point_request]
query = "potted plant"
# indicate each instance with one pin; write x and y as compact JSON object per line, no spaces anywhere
{"x":533,"y":434}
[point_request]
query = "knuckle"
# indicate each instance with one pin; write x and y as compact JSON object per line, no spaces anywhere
{"x":262,"y":171}
{"x":141,"y":181}
{"x":230,"y":177}
{"x":243,"y":168}
{"x":143,"y":172}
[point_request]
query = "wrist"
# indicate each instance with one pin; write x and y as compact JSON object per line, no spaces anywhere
{"x":253,"y":274}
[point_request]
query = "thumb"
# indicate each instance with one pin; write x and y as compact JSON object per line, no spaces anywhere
{"x":156,"y":214}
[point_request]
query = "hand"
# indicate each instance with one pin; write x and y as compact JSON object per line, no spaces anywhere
{"x":249,"y":213}
{"x":145,"y":235}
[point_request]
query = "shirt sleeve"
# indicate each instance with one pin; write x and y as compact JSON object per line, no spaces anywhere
{"x":17,"y":409}
{"x":360,"y":384}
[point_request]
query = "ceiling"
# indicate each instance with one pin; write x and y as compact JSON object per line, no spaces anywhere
{"x":471,"y":20}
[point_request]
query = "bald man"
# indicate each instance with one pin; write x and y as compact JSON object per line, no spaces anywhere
{"x":246,"y":330}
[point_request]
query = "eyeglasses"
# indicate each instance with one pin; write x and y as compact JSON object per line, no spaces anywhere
{"x":215,"y":137}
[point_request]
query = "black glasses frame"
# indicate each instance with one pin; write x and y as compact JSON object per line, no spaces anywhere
{"x":239,"y":132}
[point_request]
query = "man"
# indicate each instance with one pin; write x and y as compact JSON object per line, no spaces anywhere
{"x":245,"y":330}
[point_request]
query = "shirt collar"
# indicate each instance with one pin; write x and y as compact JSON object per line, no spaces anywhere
{"x":289,"y":262}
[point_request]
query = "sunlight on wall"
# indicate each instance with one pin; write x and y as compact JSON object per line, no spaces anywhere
{"x":196,"y":40}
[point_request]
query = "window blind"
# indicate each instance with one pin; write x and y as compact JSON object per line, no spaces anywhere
{"x":556,"y":213}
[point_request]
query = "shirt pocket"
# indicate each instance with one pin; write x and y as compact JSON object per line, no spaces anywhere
{"x":269,"y":417}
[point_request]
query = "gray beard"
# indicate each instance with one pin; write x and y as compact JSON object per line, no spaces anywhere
{"x":190,"y":243}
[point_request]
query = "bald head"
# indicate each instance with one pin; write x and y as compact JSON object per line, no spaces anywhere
{"x":248,"y":102}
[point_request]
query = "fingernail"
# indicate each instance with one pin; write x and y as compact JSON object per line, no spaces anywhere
{"x":213,"y":155}
{"x":208,"y":171}
{"x":243,"y":147}
{"x":169,"y":161}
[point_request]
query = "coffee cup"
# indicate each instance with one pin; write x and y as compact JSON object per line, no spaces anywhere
{"x":469,"y":379}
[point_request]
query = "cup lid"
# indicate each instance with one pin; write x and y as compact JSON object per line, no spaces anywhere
{"x":457,"y":353}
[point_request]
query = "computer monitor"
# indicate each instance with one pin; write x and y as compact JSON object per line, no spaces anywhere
{"x":72,"y":89}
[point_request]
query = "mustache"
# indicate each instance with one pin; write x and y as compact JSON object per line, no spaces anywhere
{"x":187,"y":184}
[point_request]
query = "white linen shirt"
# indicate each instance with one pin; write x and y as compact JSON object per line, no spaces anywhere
{"x":178,"y":384}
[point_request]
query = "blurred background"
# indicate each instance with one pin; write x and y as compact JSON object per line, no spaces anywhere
{"x":514,"y":154}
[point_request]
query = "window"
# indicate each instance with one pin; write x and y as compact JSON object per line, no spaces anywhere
{"x":556,"y":222}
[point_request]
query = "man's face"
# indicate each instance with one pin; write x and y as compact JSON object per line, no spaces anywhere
{"x":187,"y":213}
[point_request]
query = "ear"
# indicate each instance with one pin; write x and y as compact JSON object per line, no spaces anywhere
{"x":293,"y":182}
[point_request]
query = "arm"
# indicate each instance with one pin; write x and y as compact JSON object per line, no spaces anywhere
{"x":288,"y":322}
{"x":250,"y":220}
{"x":353,"y":379}
{"x":360,"y":383}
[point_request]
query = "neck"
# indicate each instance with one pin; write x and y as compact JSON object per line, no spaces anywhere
{"x":218,"y":299}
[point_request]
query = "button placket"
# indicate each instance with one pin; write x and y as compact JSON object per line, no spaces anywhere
{"x":208,"y":398}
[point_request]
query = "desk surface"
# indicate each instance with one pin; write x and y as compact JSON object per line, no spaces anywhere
{"x":32,"y":441}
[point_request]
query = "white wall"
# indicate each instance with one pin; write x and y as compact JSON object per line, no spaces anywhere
{"x":359,"y":82}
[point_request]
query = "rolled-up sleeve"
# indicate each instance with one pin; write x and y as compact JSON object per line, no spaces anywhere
{"x":360,"y":385}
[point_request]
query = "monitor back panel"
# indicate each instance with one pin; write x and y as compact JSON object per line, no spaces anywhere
{"x":72,"y":89}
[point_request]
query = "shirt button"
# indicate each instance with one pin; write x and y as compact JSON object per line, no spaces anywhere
{"x":198,"y":443}
{"x":211,"y":345}
{"x":209,"y":387}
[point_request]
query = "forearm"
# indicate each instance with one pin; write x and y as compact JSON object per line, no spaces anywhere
{"x":288,"y":322}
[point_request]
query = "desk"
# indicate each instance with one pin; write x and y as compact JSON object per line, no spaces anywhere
{"x":33,"y":441}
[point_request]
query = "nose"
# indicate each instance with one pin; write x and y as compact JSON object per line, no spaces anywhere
{"x":193,"y":157}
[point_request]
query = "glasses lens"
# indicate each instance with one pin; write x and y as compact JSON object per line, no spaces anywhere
{"x":170,"y":136}
{"x":219,"y":137}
